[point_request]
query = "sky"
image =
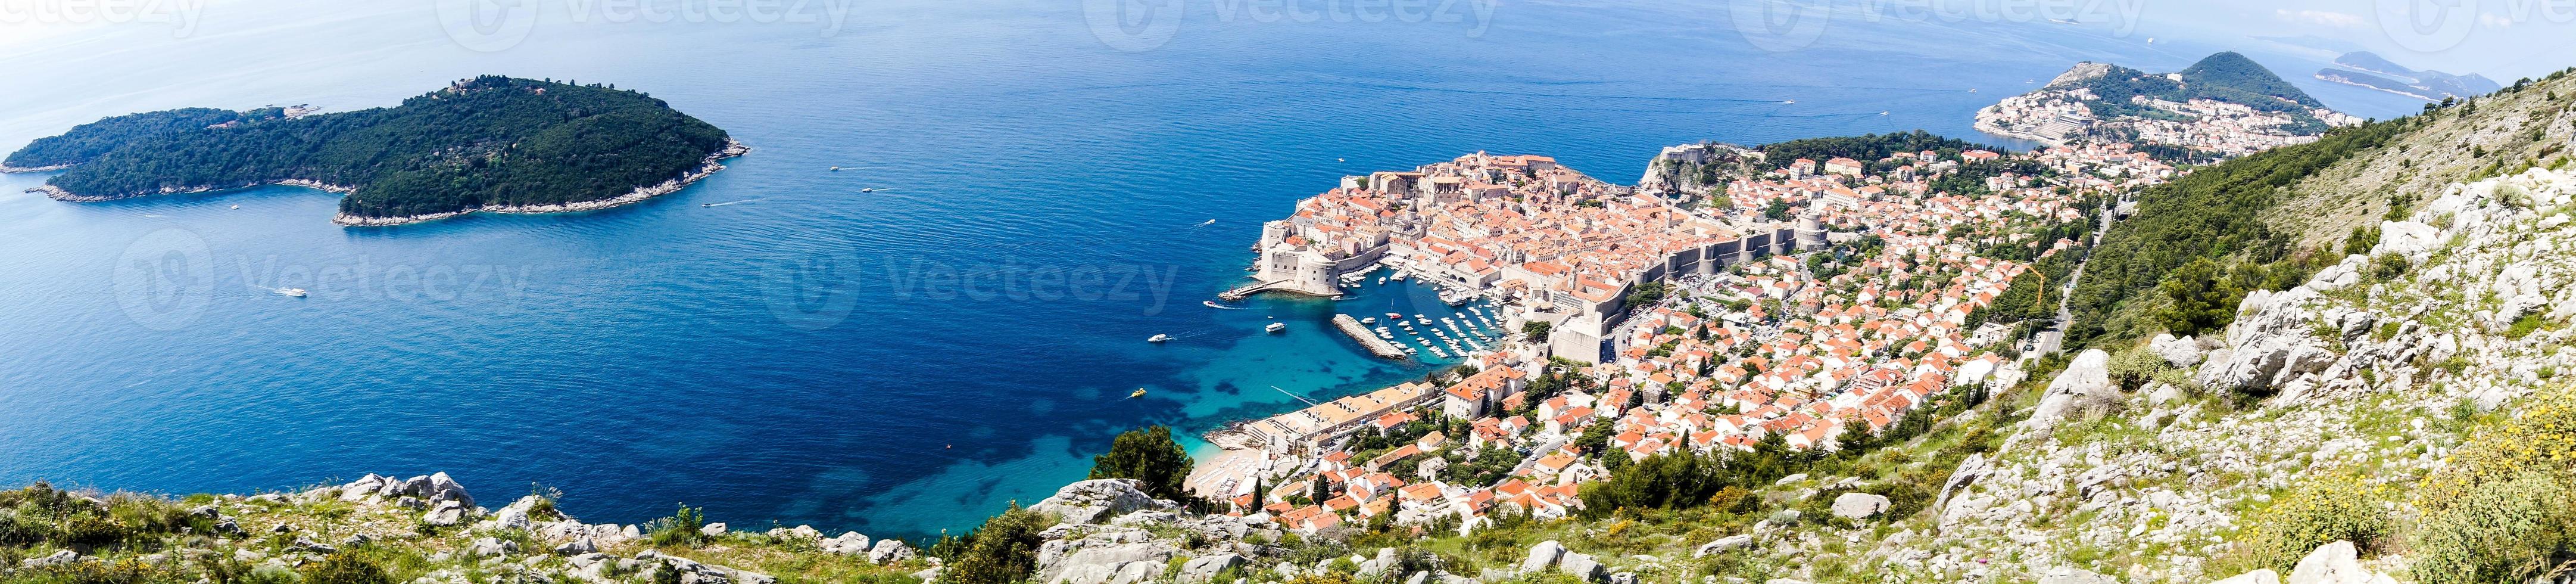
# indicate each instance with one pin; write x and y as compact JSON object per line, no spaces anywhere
{"x":2502,"y":39}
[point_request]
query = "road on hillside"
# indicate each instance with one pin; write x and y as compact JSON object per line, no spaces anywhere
{"x":2050,"y":341}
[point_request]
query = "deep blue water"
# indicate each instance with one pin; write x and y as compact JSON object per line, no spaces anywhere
{"x":897,"y":362}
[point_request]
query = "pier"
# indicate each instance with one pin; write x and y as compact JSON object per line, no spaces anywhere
{"x":1259,"y":287}
{"x":1351,"y":326}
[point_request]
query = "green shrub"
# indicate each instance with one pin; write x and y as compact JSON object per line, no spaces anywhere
{"x":1004,"y":550}
{"x":346,"y":568}
{"x":2387,"y":266}
{"x":680,"y":529}
{"x":2506,"y":531}
{"x":2321,"y":511}
{"x":2133,"y":368}
{"x":2523,"y":327}
{"x":122,"y":572}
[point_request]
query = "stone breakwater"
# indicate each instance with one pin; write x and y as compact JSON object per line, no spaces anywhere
{"x":1351,"y":326}
{"x":706,"y":168}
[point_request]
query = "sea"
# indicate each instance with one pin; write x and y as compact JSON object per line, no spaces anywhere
{"x":952,"y":321}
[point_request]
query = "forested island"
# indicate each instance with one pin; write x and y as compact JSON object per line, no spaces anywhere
{"x":490,"y":143}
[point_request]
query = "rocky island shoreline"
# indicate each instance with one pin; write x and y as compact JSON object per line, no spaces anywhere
{"x":706,"y":168}
{"x":486,"y":144}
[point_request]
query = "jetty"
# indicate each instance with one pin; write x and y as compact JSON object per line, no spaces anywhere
{"x":1246,"y":291}
{"x":1351,"y":326}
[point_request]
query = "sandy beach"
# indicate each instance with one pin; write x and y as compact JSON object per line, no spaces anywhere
{"x":1210,"y":475}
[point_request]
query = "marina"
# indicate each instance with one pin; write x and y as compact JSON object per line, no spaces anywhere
{"x":1376,"y":346}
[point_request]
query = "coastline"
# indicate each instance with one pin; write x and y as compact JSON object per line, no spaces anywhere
{"x":1985,"y":122}
{"x":2339,"y":79}
{"x":58,"y":194}
{"x":707,"y":167}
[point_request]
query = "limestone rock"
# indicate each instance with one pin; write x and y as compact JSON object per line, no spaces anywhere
{"x":446,"y":512}
{"x":2182,"y":352}
{"x":1723,"y":545}
{"x":849,"y":542}
{"x":2407,"y":238}
{"x":491,"y":546}
{"x":364,"y":487}
{"x":2333,"y":563}
{"x":2074,"y":575}
{"x":578,"y":546}
{"x":58,"y":558}
{"x":1203,"y":569}
{"x":1584,"y":567}
{"x":716,"y":529}
{"x":1859,"y":505}
{"x":441,"y":487}
{"x":2262,"y":576}
{"x":2085,"y":384}
{"x":888,"y":551}
{"x":1541,"y":556}
{"x":1098,"y":500}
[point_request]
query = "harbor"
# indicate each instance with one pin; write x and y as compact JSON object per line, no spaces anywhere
{"x":1376,"y":346}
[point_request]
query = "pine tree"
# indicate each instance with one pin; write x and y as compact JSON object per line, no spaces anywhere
{"x":1150,"y":456}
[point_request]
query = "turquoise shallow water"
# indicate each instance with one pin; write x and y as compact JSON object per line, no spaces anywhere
{"x":897,"y":362}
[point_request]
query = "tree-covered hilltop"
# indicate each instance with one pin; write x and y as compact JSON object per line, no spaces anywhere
{"x":487,"y":141}
{"x":2225,"y":77}
{"x":87,"y":141}
{"x":1865,"y":148}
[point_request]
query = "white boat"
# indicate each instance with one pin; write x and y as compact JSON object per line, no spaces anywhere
{"x":1368,"y":320}
{"x":236,"y":206}
{"x":1158,"y":338}
{"x":1276,"y":327}
{"x":295,"y":292}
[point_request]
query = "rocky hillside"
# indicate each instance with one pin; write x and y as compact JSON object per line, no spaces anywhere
{"x":2396,"y":414}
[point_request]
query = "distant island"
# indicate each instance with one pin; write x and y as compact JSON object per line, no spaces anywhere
{"x":2366,"y":69}
{"x":2225,"y":105}
{"x":492,"y":144}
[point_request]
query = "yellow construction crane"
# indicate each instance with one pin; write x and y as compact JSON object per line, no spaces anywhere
{"x":2042,"y":302}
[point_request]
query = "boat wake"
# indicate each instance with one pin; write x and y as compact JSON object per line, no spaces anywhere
{"x":728,"y":203}
{"x":1213,"y":304}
